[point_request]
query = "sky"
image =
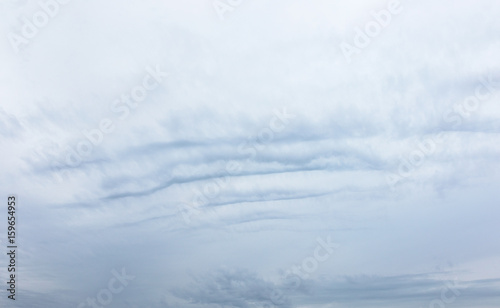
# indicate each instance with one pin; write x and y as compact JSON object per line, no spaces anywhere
{"x":235,"y":153}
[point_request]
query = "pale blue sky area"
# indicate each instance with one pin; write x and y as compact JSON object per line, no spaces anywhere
{"x":234,"y":153}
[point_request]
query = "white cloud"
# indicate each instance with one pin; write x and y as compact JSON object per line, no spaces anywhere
{"x":324,"y":173}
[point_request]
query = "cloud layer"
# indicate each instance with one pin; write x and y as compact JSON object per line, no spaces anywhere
{"x":205,"y":155}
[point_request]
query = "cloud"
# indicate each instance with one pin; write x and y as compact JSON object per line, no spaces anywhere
{"x":240,"y":288}
{"x":261,"y":138}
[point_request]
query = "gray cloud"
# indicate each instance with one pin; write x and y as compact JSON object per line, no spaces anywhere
{"x":160,"y":196}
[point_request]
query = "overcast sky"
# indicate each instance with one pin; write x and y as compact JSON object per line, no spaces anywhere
{"x":236,"y":153}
